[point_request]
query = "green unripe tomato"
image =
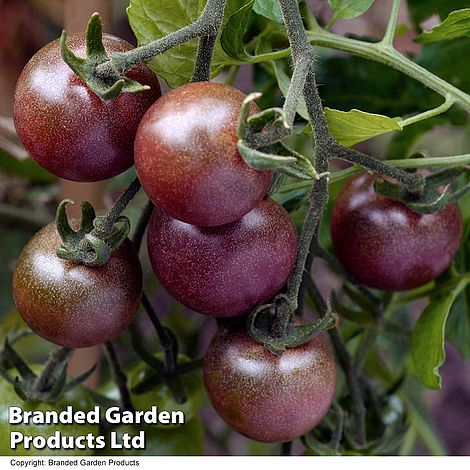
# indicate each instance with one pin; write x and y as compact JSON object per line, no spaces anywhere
{"x":162,"y":395}
{"x":78,"y":398}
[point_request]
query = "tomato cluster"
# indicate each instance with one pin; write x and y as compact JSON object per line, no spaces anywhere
{"x":215,"y":241}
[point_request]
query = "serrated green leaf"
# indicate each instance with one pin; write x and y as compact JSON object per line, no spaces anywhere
{"x":152,"y":20}
{"x":269,"y":9}
{"x":351,"y":127}
{"x":346,"y":9}
{"x":428,"y":341}
{"x":231,"y":39}
{"x":456,"y":25}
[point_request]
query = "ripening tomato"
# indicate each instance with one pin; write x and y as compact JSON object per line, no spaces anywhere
{"x":227,"y":270}
{"x":187,"y":160}
{"x":74,"y":305}
{"x":68,"y":129}
{"x":387,"y":246}
{"x":266,"y":397}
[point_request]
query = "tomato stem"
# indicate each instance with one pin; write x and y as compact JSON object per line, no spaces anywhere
{"x":169,"y":344}
{"x":120,"y":378}
{"x":44,"y":382}
{"x":207,"y":26}
{"x":141,"y":225}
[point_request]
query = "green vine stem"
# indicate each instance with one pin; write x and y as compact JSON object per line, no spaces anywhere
{"x":378,"y":52}
{"x":205,"y":51}
{"x":120,"y":378}
{"x":207,"y":25}
{"x":392,"y":25}
{"x":349,"y":368}
{"x":103,"y":224}
{"x":409,"y":163}
{"x":170,"y":347}
{"x":141,"y":225}
{"x":43,"y":383}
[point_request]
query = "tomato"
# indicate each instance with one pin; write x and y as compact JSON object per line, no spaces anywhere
{"x":74,"y":305}
{"x":387,"y":246}
{"x":78,"y":398}
{"x":186,"y":440}
{"x":162,"y":396}
{"x":69,"y":130}
{"x":266,"y":397}
{"x":187,"y":159}
{"x":224,"y":271}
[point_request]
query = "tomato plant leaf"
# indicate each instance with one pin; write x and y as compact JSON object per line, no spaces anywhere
{"x":346,"y":9}
{"x":231,"y":39}
{"x":428,"y":340}
{"x":420,"y":11}
{"x":152,"y":20}
{"x":26,"y":168}
{"x":351,"y":127}
{"x":456,"y":25}
{"x":269,"y":9}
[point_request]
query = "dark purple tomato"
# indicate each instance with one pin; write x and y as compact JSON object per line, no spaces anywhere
{"x":227,"y":270}
{"x":74,"y":305}
{"x":67,"y":128}
{"x":187,"y":159}
{"x":266,"y":397}
{"x":387,"y":246}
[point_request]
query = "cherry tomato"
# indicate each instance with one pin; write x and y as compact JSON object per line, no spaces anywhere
{"x":74,"y":305}
{"x":162,"y":395}
{"x":224,"y":271}
{"x":266,"y":397}
{"x":68,"y":129}
{"x":78,"y":398}
{"x":187,"y":159}
{"x":387,"y":246}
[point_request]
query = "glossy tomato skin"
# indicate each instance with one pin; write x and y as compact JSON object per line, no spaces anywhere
{"x":162,"y":396}
{"x":187,"y":159}
{"x":68,"y":129}
{"x":227,"y":270}
{"x":78,"y":398}
{"x":266,"y":397}
{"x":74,"y":305}
{"x":387,"y":246}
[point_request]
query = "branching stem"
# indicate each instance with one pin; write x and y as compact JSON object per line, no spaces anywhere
{"x":207,"y":25}
{"x":43,"y":381}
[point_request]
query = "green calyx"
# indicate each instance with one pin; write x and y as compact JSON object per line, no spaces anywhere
{"x":273,"y":326}
{"x":47,"y":386}
{"x":94,"y":241}
{"x":439,"y":191}
{"x":260,"y":143}
{"x":107,"y":86}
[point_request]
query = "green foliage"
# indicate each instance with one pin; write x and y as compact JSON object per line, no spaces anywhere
{"x":355,"y":126}
{"x":152,"y":20}
{"x":456,"y":25}
{"x":269,"y":9}
{"x":428,"y":340}
{"x":27,"y":168}
{"x":345,"y":9}
{"x":421,"y":10}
